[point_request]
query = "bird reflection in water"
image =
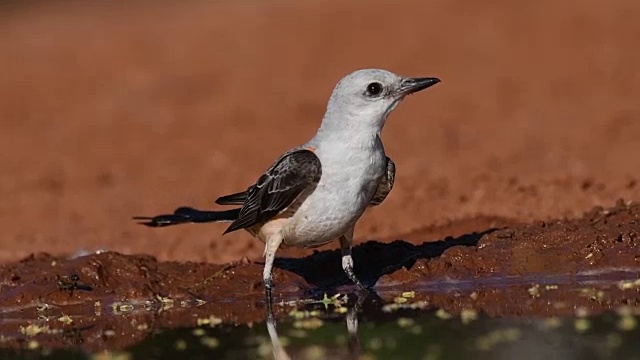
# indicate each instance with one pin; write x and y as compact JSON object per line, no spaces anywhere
{"x":351,"y":319}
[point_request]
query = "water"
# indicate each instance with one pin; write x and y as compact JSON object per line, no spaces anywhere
{"x":578,"y":316}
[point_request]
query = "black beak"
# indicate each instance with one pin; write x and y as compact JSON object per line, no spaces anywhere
{"x":412,"y":85}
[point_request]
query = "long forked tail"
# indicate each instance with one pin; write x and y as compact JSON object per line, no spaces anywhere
{"x":185,"y":215}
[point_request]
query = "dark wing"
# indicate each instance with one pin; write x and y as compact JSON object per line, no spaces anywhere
{"x":293,"y":173}
{"x":385,"y":185}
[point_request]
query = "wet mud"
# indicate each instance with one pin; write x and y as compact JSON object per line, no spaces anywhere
{"x":113,"y":301}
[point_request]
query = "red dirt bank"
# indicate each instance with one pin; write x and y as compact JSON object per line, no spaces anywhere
{"x":113,"y":111}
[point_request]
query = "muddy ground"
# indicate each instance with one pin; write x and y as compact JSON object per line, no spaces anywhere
{"x":524,"y":160}
{"x":545,"y":269}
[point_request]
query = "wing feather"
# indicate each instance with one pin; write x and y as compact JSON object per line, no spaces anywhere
{"x":292,"y":174}
{"x":233,"y":199}
{"x":385,"y":185}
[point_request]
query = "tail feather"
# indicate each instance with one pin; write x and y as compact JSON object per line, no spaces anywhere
{"x":185,"y":215}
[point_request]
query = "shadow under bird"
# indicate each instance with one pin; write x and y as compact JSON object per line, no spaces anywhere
{"x":315,"y":193}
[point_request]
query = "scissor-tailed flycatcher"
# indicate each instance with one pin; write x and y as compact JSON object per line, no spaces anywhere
{"x":316,"y":192}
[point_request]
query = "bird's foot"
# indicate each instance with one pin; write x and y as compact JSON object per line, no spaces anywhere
{"x":347,"y":266}
{"x":268,"y":292}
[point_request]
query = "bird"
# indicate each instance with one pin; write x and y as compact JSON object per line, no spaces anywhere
{"x":315,"y":193}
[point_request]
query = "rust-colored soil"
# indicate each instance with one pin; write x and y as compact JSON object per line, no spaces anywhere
{"x":136,"y":294}
{"x":111,"y":111}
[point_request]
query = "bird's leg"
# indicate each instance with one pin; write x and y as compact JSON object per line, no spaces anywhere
{"x":347,"y":260}
{"x":271,"y":246}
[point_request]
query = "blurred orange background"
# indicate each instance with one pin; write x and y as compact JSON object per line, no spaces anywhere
{"x":113,"y":110}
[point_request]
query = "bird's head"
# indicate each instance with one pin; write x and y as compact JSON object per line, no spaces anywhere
{"x":366,"y":97}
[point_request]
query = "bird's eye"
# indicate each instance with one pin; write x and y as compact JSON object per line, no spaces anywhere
{"x":374,"y":89}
